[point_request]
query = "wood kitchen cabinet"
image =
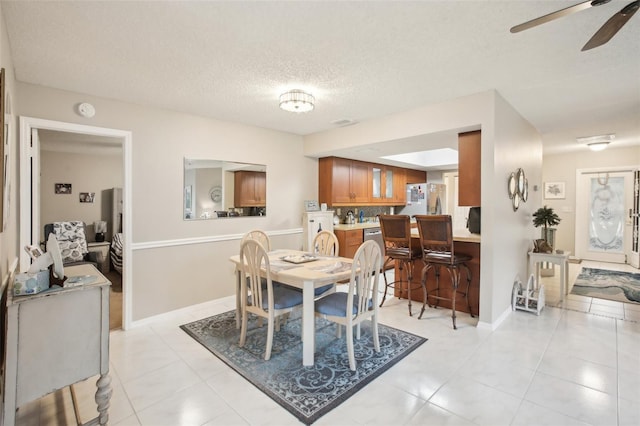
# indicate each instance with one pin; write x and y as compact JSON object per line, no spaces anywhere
{"x":416,"y":176}
{"x":250,"y":189}
{"x":343,"y":181}
{"x":388,"y":185}
{"x":469,"y":168}
{"x":399,"y":186}
{"x":349,"y":241}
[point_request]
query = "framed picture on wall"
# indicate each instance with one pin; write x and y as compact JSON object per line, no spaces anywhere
{"x":87,"y":197}
{"x":554,"y":190}
{"x":62,"y":188}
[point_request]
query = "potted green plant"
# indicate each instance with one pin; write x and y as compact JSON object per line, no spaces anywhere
{"x":546,"y":217}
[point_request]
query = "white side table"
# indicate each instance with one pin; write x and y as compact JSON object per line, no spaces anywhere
{"x":557,"y":259}
{"x":55,"y":340}
{"x":103,"y":259}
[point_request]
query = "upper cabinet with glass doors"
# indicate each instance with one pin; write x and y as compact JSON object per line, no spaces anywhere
{"x":345,"y":182}
{"x":387,"y":185}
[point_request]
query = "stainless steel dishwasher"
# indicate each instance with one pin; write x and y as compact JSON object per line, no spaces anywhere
{"x":374,"y":234}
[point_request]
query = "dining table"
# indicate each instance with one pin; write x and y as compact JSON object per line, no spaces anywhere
{"x":307,"y":272}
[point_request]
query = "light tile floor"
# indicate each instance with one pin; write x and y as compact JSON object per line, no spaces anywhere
{"x":573,"y":366}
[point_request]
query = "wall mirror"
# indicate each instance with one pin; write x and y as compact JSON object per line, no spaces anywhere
{"x":223,"y":189}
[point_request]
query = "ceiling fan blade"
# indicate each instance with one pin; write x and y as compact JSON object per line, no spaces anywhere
{"x":612,"y":26}
{"x":558,"y":14}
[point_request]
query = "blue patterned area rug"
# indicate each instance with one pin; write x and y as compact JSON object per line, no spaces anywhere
{"x":611,"y":285}
{"x":306,"y":392}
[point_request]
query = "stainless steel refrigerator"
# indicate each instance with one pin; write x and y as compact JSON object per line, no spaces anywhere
{"x":425,"y":198}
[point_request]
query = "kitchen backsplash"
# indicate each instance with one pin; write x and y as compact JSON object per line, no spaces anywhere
{"x":370,"y":212}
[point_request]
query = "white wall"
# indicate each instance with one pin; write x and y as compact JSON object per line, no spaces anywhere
{"x":562,"y":168}
{"x":9,"y":236}
{"x":508,"y":142}
{"x":516,"y":144}
{"x":167,"y":273}
{"x":86,"y":173}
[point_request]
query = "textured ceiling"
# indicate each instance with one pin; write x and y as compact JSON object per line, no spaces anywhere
{"x":361,"y":60}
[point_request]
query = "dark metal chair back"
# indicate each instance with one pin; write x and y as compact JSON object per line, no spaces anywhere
{"x":436,"y":235}
{"x":396,"y":233}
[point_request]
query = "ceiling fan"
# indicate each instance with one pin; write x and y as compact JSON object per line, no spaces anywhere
{"x":603,"y":35}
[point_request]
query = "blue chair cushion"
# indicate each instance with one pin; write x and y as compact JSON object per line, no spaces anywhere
{"x":320,"y":290}
{"x":316,"y":292}
{"x":335,"y":305}
{"x":282,"y":298}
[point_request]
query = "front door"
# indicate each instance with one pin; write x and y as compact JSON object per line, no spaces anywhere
{"x":604,"y":204}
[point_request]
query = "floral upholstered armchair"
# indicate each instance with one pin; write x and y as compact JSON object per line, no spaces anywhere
{"x":72,"y":239}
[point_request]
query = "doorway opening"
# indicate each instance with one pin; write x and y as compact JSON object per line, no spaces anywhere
{"x":78,"y":142}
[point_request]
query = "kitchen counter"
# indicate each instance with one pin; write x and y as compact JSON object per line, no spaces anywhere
{"x":460,"y":235}
{"x":365,"y":225}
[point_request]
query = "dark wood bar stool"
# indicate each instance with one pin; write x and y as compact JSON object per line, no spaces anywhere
{"x":436,"y":239}
{"x":396,"y":233}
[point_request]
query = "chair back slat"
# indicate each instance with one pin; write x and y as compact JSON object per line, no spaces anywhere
{"x":326,"y":243}
{"x":253,"y":257}
{"x":259,"y":236}
{"x":365,"y":275}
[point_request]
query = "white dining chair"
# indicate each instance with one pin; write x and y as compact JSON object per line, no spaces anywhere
{"x":360,"y":302}
{"x":259,"y":236}
{"x":326,"y":243}
{"x":262,"y":238}
{"x":265,"y":301}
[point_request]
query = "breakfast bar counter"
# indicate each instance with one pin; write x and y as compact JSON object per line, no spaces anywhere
{"x":352,"y":226}
{"x":463,"y":243}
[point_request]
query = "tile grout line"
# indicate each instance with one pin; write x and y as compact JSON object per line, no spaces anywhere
{"x":535,"y":371}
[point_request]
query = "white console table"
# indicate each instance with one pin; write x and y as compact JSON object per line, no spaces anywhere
{"x":554,"y":258}
{"x":55,"y":340}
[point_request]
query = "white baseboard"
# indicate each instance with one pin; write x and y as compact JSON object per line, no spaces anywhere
{"x":495,"y":324}
{"x":166,"y":315}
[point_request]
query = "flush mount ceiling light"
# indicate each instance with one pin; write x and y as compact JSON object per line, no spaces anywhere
{"x":597,"y":143}
{"x":297,"y":101}
{"x":597,"y":146}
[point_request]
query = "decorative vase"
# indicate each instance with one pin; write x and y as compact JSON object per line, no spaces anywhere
{"x":99,"y":237}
